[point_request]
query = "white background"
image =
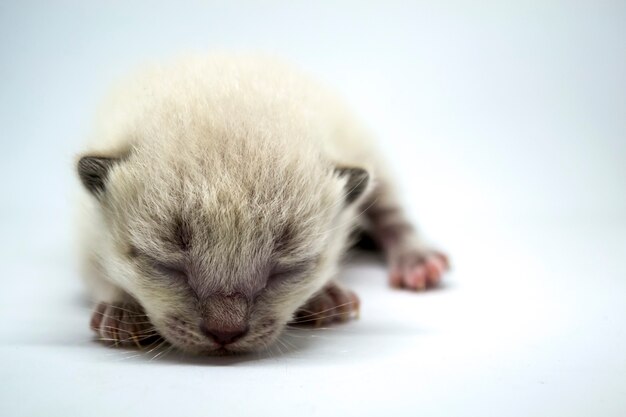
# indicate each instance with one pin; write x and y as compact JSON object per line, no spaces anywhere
{"x":506,"y":125}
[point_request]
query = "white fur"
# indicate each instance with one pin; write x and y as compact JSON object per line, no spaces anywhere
{"x":240,"y":147}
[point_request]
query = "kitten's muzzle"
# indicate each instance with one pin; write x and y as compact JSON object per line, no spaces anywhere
{"x":223,"y":336}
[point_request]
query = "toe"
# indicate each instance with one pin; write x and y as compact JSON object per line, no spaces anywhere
{"x":345,"y":303}
{"x":415,"y":278}
{"x":396,"y":278}
{"x":315,"y":312}
{"x":443,"y":260}
{"x":434,"y":270}
{"x":97,"y":317}
{"x":121,"y":326}
{"x":325,"y":312}
{"x":332,"y":304}
{"x":109,"y":327}
{"x":417,"y":269}
{"x":355,"y":305}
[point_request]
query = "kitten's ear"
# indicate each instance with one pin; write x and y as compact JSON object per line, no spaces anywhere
{"x":357,"y":181}
{"x":93,"y":172}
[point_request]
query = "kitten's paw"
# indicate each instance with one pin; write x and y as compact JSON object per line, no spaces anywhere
{"x":123,"y":324}
{"x":417,"y":269}
{"x":333,"y":303}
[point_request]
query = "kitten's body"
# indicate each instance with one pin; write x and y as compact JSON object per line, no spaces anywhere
{"x":223,"y":192}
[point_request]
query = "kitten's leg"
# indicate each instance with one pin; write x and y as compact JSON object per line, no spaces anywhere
{"x":122,"y":323}
{"x":333,"y":303}
{"x":413,"y":264}
{"x":118,"y":319}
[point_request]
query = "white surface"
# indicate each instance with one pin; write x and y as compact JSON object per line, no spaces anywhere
{"x":518,"y":171}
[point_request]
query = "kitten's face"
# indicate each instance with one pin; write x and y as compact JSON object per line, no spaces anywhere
{"x":210,"y":287}
{"x":222,"y":265}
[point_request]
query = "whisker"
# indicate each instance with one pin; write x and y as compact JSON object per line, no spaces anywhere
{"x":302,"y":336}
{"x":279,"y":349}
{"x":156,"y":347}
{"x":150,"y":346}
{"x":144,"y":337}
{"x":162,"y":353}
{"x":124,"y":321}
{"x":134,"y":313}
{"x":115,"y":331}
{"x":318,"y":318}
{"x":310,"y":329}
{"x":132,"y":356}
{"x":324,"y":311}
{"x":289,"y":346}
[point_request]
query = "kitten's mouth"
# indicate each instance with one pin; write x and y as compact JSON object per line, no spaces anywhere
{"x":191,"y":342}
{"x":221,"y":351}
{"x":184,"y":338}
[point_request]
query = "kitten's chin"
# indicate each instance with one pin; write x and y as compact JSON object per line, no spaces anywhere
{"x":185,"y":339}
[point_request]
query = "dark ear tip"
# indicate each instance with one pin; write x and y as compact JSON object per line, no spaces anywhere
{"x":93,"y":171}
{"x":358,"y":180}
{"x":352,"y":171}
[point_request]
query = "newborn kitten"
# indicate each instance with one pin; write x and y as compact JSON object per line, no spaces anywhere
{"x":221,"y":194}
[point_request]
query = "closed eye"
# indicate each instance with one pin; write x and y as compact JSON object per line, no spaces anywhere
{"x":296,"y":269}
{"x":160,"y":267}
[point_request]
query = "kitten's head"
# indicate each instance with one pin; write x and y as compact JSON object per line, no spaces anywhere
{"x":221,"y":249}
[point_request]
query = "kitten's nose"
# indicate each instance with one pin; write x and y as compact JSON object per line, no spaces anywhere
{"x":223,"y":336}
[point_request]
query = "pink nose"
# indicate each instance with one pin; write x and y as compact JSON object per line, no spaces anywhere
{"x":223,"y":336}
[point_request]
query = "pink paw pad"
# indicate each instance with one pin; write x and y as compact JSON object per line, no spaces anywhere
{"x":417,"y":270}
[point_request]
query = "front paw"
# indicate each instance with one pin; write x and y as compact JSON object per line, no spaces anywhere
{"x":417,"y":268}
{"x":332,"y":303}
{"x":123,"y":324}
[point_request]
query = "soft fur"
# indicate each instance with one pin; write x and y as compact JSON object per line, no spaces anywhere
{"x":243,"y":153}
{"x":221,"y":194}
